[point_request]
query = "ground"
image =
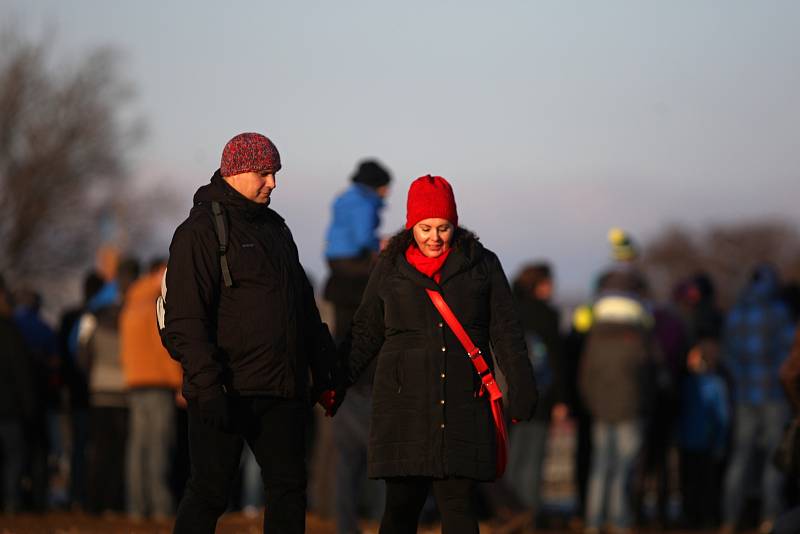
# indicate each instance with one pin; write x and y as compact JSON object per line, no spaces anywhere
{"x":236,"y":523}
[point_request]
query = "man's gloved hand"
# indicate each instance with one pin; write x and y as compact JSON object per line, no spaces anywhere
{"x":215,"y":411}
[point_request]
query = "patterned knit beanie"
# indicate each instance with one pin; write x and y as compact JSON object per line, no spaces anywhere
{"x":430,"y":197}
{"x":249,"y":152}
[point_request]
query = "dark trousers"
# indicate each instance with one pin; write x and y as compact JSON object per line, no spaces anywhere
{"x":275,"y":431}
{"x":654,"y":466}
{"x":353,"y":488}
{"x":108,"y":431}
{"x":583,"y":460}
{"x":343,"y":320}
{"x":788,"y":523}
{"x":77,"y":463}
{"x":701,"y":487}
{"x":405,"y":497}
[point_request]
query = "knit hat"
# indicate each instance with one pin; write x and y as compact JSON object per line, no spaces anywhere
{"x":622,"y":245}
{"x":430,"y":197}
{"x":372,"y":174}
{"x":249,"y":152}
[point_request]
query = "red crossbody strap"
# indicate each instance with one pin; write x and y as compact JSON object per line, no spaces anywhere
{"x":474,"y":353}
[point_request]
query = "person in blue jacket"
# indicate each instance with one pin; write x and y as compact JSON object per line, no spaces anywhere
{"x":352,"y":247}
{"x":352,"y":242}
{"x":703,"y":430}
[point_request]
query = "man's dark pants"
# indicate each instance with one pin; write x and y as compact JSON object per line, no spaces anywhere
{"x":275,"y":431}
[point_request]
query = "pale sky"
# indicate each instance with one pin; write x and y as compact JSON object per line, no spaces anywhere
{"x":553,"y":120}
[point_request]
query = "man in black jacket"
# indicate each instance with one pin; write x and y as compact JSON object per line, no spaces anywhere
{"x":240,"y":316}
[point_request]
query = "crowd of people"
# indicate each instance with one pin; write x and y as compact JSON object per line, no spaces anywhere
{"x":110,"y":412}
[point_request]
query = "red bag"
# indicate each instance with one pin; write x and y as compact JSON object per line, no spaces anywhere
{"x":485,"y":374}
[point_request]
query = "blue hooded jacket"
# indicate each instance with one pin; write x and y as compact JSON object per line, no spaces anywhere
{"x":705,"y":417}
{"x":39,"y":337}
{"x":356,"y":217}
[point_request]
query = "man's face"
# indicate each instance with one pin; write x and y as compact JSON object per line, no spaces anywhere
{"x":544,"y":289}
{"x":255,"y":186}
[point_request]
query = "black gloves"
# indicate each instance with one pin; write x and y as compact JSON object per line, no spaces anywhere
{"x":215,"y":411}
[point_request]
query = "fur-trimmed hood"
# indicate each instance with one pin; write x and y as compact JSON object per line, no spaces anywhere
{"x":466,"y":252}
{"x":464,"y":241}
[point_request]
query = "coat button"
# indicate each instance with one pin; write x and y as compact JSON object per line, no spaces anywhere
{"x":444,"y":349}
{"x":442,"y":425}
{"x":443,"y":375}
{"x":441,"y":401}
{"x":441,"y":325}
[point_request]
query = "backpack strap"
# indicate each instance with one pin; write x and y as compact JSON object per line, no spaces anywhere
{"x":222,"y":237}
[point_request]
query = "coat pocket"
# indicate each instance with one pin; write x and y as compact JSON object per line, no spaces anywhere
{"x":389,"y":374}
{"x":399,"y":372}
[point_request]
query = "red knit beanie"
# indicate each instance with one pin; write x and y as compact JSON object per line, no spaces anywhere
{"x":430,"y":197}
{"x":249,"y":152}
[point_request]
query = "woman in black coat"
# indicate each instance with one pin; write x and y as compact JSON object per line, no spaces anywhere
{"x":431,"y":427}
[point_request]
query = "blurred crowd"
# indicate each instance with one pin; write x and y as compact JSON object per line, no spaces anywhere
{"x":677,"y":406}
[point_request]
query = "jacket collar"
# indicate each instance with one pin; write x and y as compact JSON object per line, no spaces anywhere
{"x":368,"y":193}
{"x":221,"y":191}
{"x":411,"y":272}
{"x":457,"y":263}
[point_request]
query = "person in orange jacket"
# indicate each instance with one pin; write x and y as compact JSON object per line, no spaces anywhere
{"x":153,"y":380}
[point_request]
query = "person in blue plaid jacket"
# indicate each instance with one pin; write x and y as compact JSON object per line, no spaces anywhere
{"x":757,"y":338}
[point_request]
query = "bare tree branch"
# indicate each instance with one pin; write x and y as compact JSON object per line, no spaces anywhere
{"x":61,"y":134}
{"x":727,"y":252}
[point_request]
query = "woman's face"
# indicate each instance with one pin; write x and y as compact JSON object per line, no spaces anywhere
{"x":433,"y":236}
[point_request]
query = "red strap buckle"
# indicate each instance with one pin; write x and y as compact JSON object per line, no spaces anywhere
{"x":491,"y":386}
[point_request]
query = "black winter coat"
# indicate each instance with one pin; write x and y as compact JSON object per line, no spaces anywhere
{"x":263,"y":335}
{"x":427,"y":419}
{"x":18,"y":389}
{"x":541,"y":320}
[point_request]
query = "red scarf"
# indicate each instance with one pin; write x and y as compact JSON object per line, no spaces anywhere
{"x":430,"y":267}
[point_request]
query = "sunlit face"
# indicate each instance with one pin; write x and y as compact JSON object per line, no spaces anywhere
{"x":433,"y":236}
{"x":255,"y":186}
{"x":544,"y":289}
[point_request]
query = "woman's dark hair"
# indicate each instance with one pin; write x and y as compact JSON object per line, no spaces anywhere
{"x":704,"y":284}
{"x":531,"y":276}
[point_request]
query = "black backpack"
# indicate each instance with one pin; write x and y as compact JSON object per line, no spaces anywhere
{"x":222,"y":238}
